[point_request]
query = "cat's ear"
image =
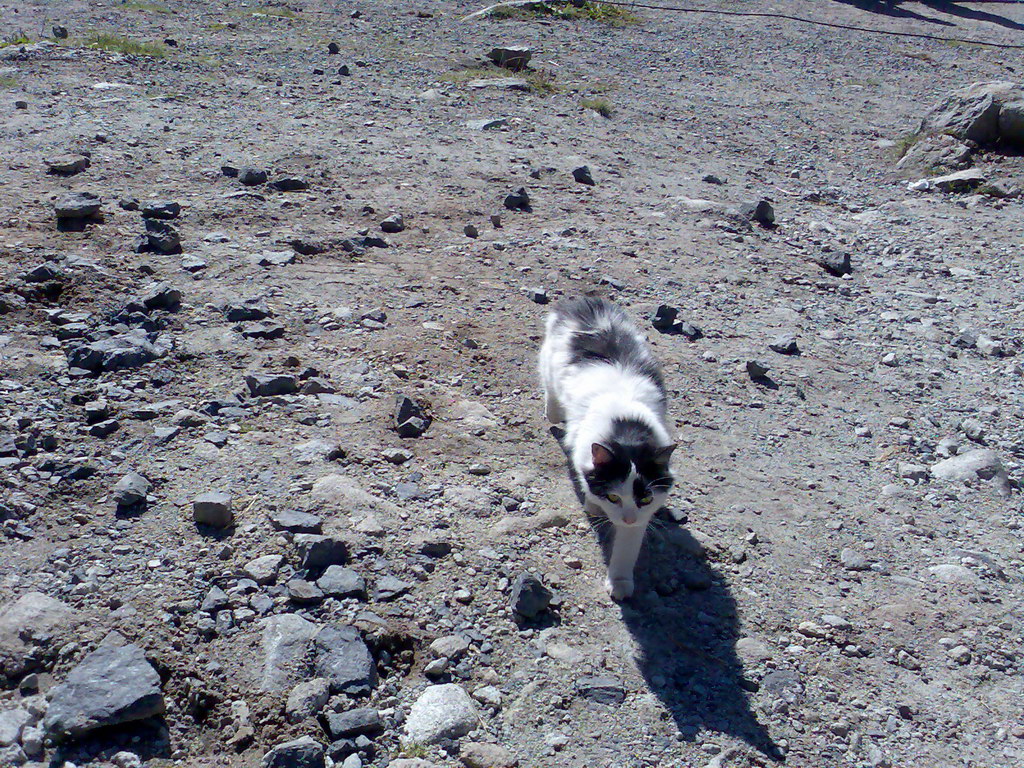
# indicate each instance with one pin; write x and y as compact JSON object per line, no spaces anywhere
{"x":601,"y":454}
{"x":664,"y":455}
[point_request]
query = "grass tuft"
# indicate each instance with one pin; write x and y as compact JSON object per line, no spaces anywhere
{"x":8,"y":81}
{"x":904,"y":143}
{"x":125,"y":45}
{"x":591,"y":10}
{"x":542,"y":82}
{"x":414,"y":751}
{"x":17,"y":38}
{"x":275,"y":10}
{"x":602,"y":106}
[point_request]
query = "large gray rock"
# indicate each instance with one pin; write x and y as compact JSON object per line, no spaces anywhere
{"x":286,"y":642}
{"x":12,"y":722}
{"x":214,"y":509}
{"x":307,"y":699}
{"x":476,"y":754}
{"x":971,"y":466}
{"x":960,"y":181}
{"x":27,"y":630}
{"x":131,"y":489}
{"x":939,"y":151}
{"x":129,"y":350}
{"x":973,"y":113}
{"x":300,"y":753}
{"x":343,"y":658}
{"x":441,"y":712}
{"x":1011,"y":122}
{"x":111,"y":686}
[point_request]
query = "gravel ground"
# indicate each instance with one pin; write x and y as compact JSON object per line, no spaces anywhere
{"x":290,"y":478}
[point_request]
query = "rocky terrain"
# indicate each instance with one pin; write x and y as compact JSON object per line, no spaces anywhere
{"x":275,"y":483}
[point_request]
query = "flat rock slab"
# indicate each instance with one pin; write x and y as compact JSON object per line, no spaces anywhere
{"x":111,"y":686}
{"x":441,"y":712}
{"x":344,"y":660}
{"x":971,"y":466}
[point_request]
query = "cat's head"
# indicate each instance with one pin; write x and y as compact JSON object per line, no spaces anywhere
{"x":629,"y":483}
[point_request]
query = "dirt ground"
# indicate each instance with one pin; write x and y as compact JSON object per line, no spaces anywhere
{"x":812,"y":594}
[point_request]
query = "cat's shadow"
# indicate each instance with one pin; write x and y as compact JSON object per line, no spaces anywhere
{"x":683,"y":618}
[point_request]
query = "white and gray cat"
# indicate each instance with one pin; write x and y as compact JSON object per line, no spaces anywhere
{"x":601,"y":379}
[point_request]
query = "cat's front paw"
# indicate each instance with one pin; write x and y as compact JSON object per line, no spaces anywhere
{"x":620,"y":588}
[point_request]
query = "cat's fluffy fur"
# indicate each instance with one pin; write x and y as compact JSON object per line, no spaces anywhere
{"x":600,"y":378}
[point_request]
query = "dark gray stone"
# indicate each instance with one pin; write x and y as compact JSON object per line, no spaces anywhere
{"x":390,"y":587}
{"x":161,"y":237}
{"x":300,"y":753}
{"x":602,"y":689}
{"x":784,"y":344}
{"x":111,"y":686}
{"x":268,"y":385}
{"x":410,"y":418}
{"x":757,"y":369}
{"x":362,"y":721}
{"x":289,"y":184}
{"x":162,"y":209}
{"x":131,"y":490}
{"x":344,"y":660}
{"x":129,"y":350}
{"x":66,"y":165}
{"x":296,"y":522}
{"x":317,"y":552}
{"x":213,"y":509}
{"x":582,"y":175}
{"x":77,"y":205}
{"x":341,"y":582}
{"x":518,"y":200}
{"x":252,"y":177}
{"x":303,"y":592}
{"x":530,"y":597}
{"x":393,"y":224}
{"x":246,"y":311}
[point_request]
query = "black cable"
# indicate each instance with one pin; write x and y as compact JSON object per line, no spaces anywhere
{"x":789,"y":17}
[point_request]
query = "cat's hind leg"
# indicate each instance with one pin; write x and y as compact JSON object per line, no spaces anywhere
{"x":552,"y":408}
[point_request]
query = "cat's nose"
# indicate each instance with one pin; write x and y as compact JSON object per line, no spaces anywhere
{"x":629,"y":518}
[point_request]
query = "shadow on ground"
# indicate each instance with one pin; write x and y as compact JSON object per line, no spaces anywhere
{"x":683,"y":618}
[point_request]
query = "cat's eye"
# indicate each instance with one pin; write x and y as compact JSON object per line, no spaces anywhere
{"x":646,"y":499}
{"x":613,"y":498}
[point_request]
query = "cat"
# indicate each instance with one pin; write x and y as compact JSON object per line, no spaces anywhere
{"x":601,"y":380}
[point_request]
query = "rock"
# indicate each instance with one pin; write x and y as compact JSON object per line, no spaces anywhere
{"x":853,"y":560}
{"x":955,"y":574}
{"x":341,"y":582}
{"x":488,"y":695}
{"x":989,"y":346}
{"x":303,"y":592}
{"x":518,"y":200}
{"x":160,"y":296}
{"x":361,"y":721}
{"x":317,"y":450}
{"x":393,"y":224}
{"x":487,"y":124}
{"x":269,"y":385}
{"x":289,"y":184}
{"x":530,"y":597}
{"x":514,"y":57}
{"x":307,"y":699}
{"x":436,"y":668}
{"x":756,"y":369}
{"x":286,"y":641}
{"x":836,"y":263}
{"x":476,"y":754}
{"x":66,"y":165}
{"x":213,"y":509}
{"x":390,"y":587}
{"x":77,"y":205}
{"x":960,"y":181}
{"x":162,"y":209}
{"x":160,"y":237}
{"x":215,"y":599}
{"x":131,"y":490}
{"x":317,"y":552}
{"x":914,"y":472}
{"x":972,"y":113}
{"x":333,"y":49}
{"x":300,"y":753}
{"x":410,"y":419}
{"x":971,"y":466}
{"x":537,"y":295}
{"x":582,"y":175}
{"x":126,"y":760}
{"x":263,"y":570}
{"x":470,"y":230}
{"x":760,"y":211}
{"x":449,"y":647}
{"x":441,"y":712}
{"x":345,"y":661}
{"x":12,"y":722}
{"x":785,"y":344}
{"x":604,"y":690}
{"x":410,"y":762}
{"x":936,"y":151}
{"x":1011,"y":122}
{"x":252,"y":177}
{"x":296,"y":522}
{"x":28,"y":627}
{"x":110,"y":687}
{"x":128,"y":350}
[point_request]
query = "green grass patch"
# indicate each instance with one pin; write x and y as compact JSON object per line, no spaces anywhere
{"x":17,"y":38}
{"x":592,"y":10}
{"x":138,"y":5}
{"x":464,"y":75}
{"x":602,"y":106}
{"x":904,"y":143}
{"x":541,"y":82}
{"x":125,"y":45}
{"x":8,"y":81}
{"x":274,"y":10}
